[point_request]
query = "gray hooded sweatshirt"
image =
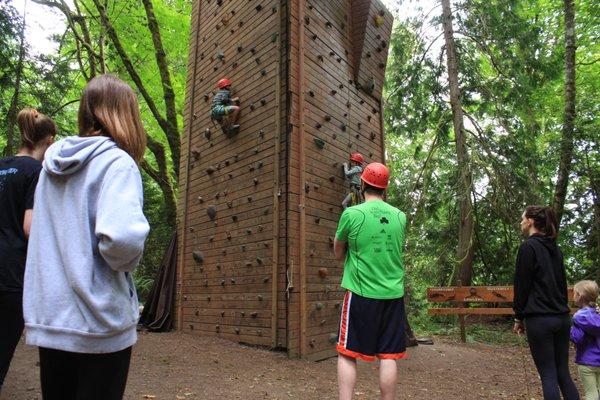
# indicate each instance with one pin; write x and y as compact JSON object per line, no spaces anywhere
{"x":87,"y":235}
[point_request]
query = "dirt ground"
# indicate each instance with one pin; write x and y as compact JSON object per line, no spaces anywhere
{"x":180,"y":367}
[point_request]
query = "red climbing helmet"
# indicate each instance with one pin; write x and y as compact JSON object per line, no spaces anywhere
{"x":357,"y":157}
{"x":223,"y":83}
{"x":376,"y":175}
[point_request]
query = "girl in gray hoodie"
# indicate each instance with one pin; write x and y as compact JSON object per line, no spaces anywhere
{"x":87,"y":236}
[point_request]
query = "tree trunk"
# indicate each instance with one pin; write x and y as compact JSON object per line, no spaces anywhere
{"x":168,"y":93}
{"x":11,"y":118}
{"x":465,"y":251}
{"x":566,"y":143}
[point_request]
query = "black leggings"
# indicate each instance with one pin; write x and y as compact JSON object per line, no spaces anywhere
{"x":11,"y":328}
{"x":77,"y":376}
{"x":548,"y":337}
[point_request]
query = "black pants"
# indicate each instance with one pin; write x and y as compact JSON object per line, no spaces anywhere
{"x":77,"y":376}
{"x":548,"y":337}
{"x":11,"y":328}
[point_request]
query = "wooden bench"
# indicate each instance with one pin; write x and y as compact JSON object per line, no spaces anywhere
{"x":473,"y":300}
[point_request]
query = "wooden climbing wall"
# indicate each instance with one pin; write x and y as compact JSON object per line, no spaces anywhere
{"x":261,"y":270}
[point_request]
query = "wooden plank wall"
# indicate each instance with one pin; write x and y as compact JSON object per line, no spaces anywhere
{"x":234,"y":291}
{"x":268,"y":275}
{"x":326,"y":105}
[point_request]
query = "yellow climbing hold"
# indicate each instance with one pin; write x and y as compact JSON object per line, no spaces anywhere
{"x":379,"y":20}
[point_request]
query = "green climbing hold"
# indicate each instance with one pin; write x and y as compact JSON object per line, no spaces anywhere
{"x":320,"y":143}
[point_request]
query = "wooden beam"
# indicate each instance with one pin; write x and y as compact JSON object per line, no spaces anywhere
{"x":475,"y":294}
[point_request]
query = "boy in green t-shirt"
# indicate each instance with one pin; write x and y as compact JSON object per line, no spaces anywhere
{"x":370,"y":239}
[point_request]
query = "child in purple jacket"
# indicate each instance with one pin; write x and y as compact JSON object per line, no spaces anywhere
{"x":585,"y":333}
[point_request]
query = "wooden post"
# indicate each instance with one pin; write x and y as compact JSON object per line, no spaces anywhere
{"x":461,"y":320}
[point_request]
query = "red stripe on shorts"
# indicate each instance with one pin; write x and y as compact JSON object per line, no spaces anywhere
{"x":343,"y":338}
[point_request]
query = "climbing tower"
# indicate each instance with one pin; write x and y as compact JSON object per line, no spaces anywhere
{"x":258,"y":211}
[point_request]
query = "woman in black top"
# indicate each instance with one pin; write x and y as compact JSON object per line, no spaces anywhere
{"x":18,"y":178}
{"x":541,"y":303}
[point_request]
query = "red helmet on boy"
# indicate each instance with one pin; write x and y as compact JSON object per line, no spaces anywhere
{"x":376,"y":175}
{"x":357,"y":157}
{"x":223,"y":83}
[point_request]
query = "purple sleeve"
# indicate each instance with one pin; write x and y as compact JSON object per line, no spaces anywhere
{"x":588,"y":320}
{"x":576,"y":334}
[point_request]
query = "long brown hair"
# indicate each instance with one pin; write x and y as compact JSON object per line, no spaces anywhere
{"x":109,"y":107}
{"x":544,"y":219}
{"x":34,"y":127}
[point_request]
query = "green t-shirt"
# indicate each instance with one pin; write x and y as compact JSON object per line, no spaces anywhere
{"x":374,"y":231}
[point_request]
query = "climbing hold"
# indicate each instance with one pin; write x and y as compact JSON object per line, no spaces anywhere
{"x":249,"y":199}
{"x":207,"y":298}
{"x":253,"y":50}
{"x":369,"y":118}
{"x":229,"y":204}
{"x":234,"y":218}
{"x":379,"y":20}
{"x":223,"y":282}
{"x":258,"y":7}
{"x":327,"y":118}
{"x":332,"y":178}
{"x":339,"y":59}
{"x":210,"y":170}
{"x":259,"y":260}
{"x":323,"y":322}
{"x":211,"y":239}
{"x":334,"y":136}
{"x":217,"y":196}
{"x":211,"y":211}
{"x":232,"y":280}
{"x":222,"y":313}
{"x":260,"y":297}
{"x":332,"y":53}
{"x":261,"y":133}
{"x":384,"y":44}
{"x":198,"y":257}
{"x":320,"y":57}
{"x":373,"y":136}
{"x":248,"y":264}
{"x":219,"y":265}
{"x":197,"y":313}
{"x":318,"y":125}
{"x":330,"y":242}
{"x":333,"y":92}
{"x":323,"y":273}
{"x":333,"y":338}
{"x":257,"y":60}
{"x":234,"y":65}
{"x":243,"y":247}
{"x":217,"y":328}
{"x":252,"y":106}
{"x":265,"y":280}
{"x":243,"y":313}
{"x":381,"y":65}
{"x":206,"y":96}
{"x":319,"y":306}
{"x":220,"y":55}
{"x":368,"y":54}
{"x":230,"y":176}
{"x":228,"y":236}
{"x":263,"y":72}
{"x":274,"y":37}
{"x":239,"y":48}
{"x":311,"y":93}
{"x":371,"y":85}
{"x":255,"y":180}
{"x":343,"y":127}
{"x":314,"y":36}
{"x":191,"y":327}
{"x":328,"y":24}
{"x":263,"y":101}
{"x":254,"y":314}
{"x":307,"y":20}
{"x":207,"y":133}
{"x":319,"y":142}
{"x":248,"y":231}
{"x":317,"y":220}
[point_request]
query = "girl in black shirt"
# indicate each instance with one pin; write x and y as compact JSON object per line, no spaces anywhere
{"x":18,"y":178}
{"x":541,"y":303}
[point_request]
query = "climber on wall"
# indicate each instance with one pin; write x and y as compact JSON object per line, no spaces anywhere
{"x":226,"y":110}
{"x":353,"y":172}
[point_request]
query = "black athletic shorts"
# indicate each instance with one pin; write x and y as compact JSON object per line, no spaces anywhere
{"x":371,"y":328}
